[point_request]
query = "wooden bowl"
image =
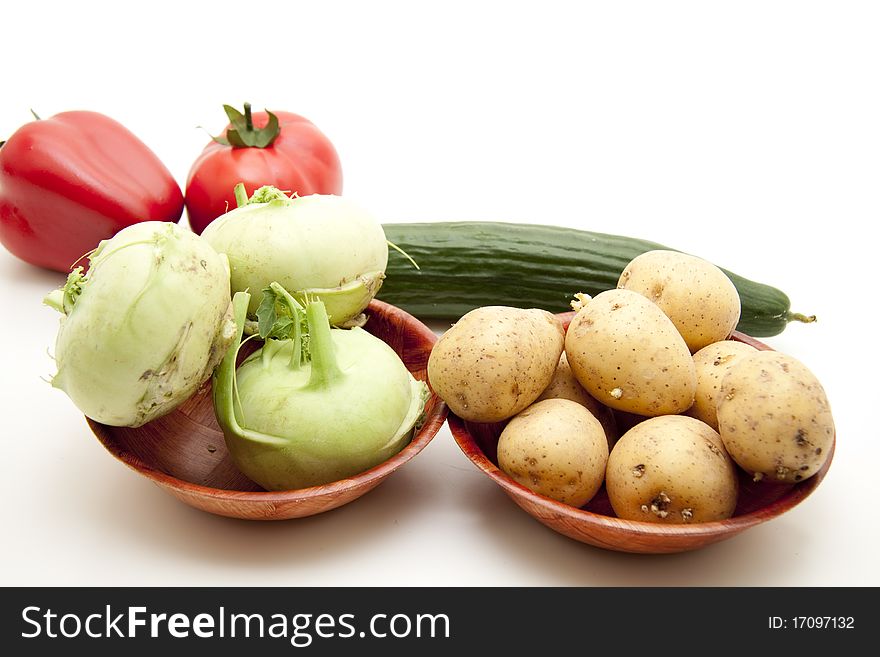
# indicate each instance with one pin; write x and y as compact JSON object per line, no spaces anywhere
{"x":596,"y":523}
{"x":185,"y":453}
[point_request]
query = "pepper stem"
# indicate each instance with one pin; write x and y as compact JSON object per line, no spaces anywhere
{"x":325,"y":369}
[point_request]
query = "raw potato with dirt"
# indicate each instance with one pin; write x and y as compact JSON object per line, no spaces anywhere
{"x":629,"y":355}
{"x":557,"y":448}
{"x":495,"y":361}
{"x":671,"y":469}
{"x":696,"y":295}
{"x":712,"y":363}
{"x":564,"y":385}
{"x":774,"y":417}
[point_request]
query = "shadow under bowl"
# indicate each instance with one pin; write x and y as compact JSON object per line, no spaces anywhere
{"x":185,"y":454}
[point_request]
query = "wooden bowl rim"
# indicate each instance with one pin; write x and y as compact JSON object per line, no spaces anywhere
{"x":426,"y":432}
{"x":797,"y":493}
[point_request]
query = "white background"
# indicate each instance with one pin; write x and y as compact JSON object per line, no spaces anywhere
{"x":748,"y":133}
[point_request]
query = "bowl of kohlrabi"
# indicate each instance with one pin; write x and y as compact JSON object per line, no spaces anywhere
{"x":248,"y":371}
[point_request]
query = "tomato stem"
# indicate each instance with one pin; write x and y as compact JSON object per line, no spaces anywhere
{"x":242,"y":132}
{"x":249,"y":120}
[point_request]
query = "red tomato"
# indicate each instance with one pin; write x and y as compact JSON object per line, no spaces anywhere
{"x":72,"y":180}
{"x":263,"y":148}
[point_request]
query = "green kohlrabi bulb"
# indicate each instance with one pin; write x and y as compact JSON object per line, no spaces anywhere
{"x":316,"y":405}
{"x":316,"y":246}
{"x":145,"y":326}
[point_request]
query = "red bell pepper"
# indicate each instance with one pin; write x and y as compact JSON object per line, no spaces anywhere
{"x":72,"y":180}
{"x":264,"y":148}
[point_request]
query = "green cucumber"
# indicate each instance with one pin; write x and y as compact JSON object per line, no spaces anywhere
{"x":464,"y":265}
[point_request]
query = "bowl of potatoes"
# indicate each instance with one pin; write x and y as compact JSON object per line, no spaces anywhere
{"x":642,"y":422}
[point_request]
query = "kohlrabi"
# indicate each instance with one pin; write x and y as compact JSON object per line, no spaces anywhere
{"x":317,"y":246}
{"x":314,"y":404}
{"x":145,"y":326}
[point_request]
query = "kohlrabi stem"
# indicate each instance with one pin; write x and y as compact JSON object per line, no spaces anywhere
{"x":325,"y":369}
{"x":296,"y":310}
{"x":224,"y":381}
{"x":224,"y":375}
{"x":55,"y":300}
{"x":241,"y":197}
{"x":296,"y":358}
{"x":403,"y":253}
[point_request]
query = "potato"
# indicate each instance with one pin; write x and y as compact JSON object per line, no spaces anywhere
{"x":565,"y":386}
{"x":557,"y":448}
{"x":495,"y":361}
{"x":696,"y":295}
{"x":712,"y":363}
{"x":774,"y":417}
{"x":671,"y":469}
{"x":629,"y":355}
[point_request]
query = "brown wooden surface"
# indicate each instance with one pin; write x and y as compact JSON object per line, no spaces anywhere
{"x":596,"y":523}
{"x":185,"y":454}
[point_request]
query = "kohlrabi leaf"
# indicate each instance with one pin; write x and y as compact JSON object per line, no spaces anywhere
{"x":280,"y":316}
{"x":266,"y":314}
